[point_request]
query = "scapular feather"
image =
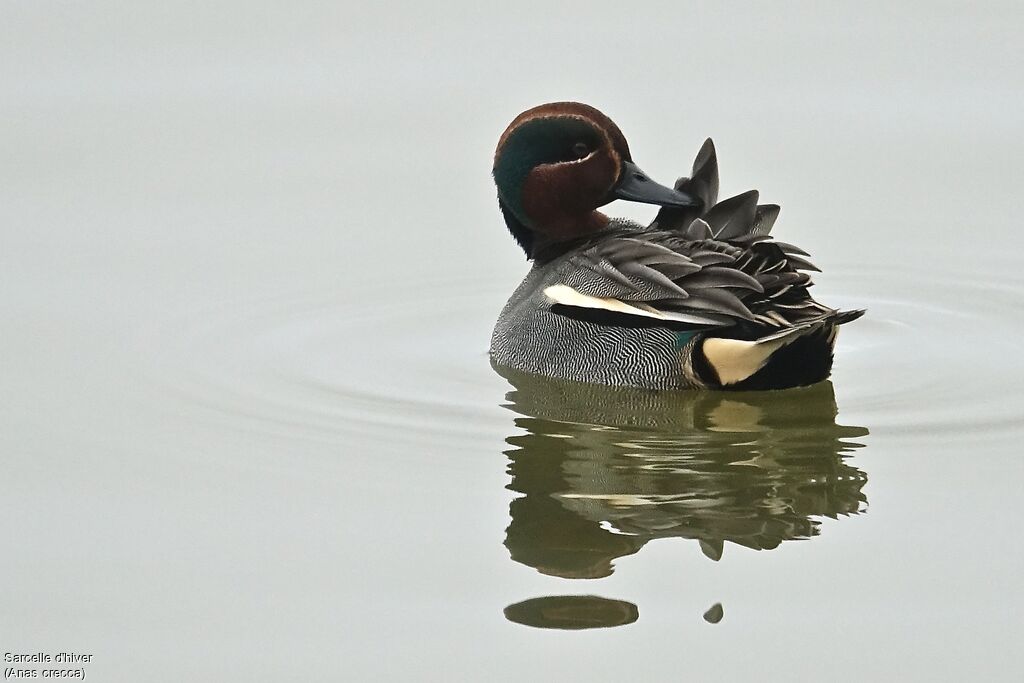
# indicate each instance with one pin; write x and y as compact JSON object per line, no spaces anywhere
{"x":699,"y":230}
{"x":764,"y":218}
{"x":733,"y":217}
{"x":702,"y":183}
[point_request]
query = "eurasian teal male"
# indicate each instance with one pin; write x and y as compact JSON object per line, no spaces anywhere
{"x":703,"y":297}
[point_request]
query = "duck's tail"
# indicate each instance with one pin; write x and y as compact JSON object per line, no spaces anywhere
{"x":793,"y":357}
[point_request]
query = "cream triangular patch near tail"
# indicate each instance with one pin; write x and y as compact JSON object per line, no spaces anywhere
{"x":734,"y":360}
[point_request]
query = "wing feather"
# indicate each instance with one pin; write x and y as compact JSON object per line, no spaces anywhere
{"x":711,"y":266}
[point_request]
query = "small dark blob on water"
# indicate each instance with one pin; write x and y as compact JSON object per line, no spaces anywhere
{"x":715,"y":614}
{"x":572,"y":612}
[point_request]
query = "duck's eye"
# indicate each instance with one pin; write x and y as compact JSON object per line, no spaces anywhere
{"x":580,"y":149}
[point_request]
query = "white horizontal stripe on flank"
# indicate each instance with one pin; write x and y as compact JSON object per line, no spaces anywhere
{"x":567,"y":296}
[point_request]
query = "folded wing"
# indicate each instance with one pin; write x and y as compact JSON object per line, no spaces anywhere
{"x":711,"y":268}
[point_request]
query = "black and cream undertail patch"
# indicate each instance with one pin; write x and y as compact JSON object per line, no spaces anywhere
{"x":735,"y":360}
{"x":799,"y":358}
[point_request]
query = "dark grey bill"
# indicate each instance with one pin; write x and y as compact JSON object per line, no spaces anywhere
{"x":636,"y":186}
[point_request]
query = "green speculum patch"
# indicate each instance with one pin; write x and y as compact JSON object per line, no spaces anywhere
{"x":683,"y":338}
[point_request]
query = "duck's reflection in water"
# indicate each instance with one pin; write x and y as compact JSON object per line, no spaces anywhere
{"x":605,"y":470}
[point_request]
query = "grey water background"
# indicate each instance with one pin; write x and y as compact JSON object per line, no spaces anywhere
{"x":249,"y":261}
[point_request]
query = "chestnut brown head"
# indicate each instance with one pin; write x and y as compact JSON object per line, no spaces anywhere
{"x":556,"y":164}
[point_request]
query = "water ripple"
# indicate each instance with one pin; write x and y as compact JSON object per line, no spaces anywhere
{"x":929,"y":359}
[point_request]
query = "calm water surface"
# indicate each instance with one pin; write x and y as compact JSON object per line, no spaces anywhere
{"x":248,"y":426}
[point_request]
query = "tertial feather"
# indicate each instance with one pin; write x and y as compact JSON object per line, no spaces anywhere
{"x":764,"y":218}
{"x":734,"y":216}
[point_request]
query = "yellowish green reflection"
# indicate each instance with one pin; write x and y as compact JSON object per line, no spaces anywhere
{"x":604,"y":470}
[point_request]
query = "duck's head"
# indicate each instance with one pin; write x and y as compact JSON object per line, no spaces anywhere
{"x":557,"y":163}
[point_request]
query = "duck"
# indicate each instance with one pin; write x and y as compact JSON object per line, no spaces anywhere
{"x":701,"y":298}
